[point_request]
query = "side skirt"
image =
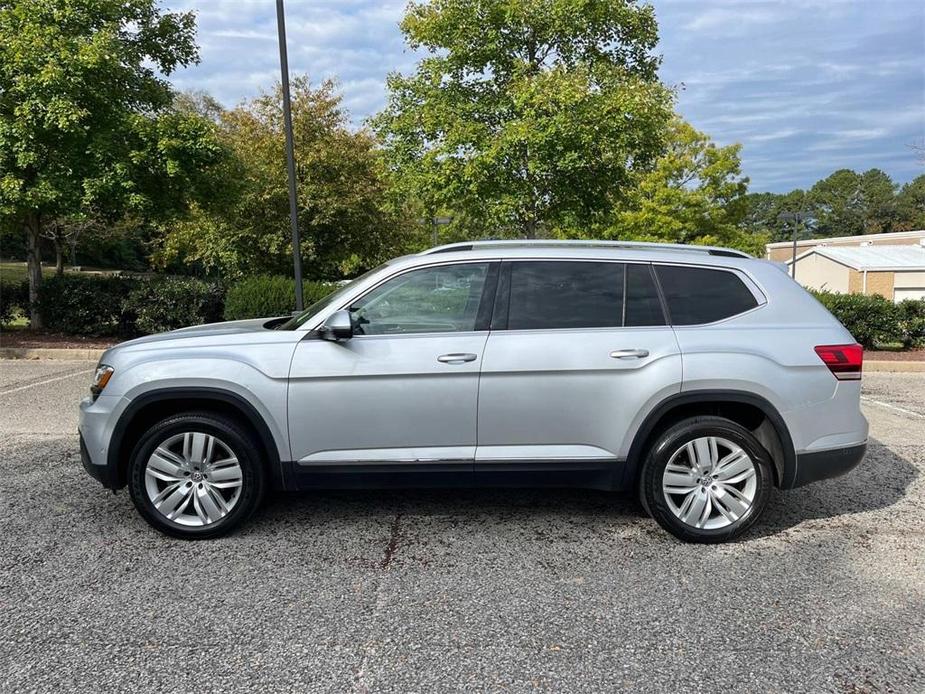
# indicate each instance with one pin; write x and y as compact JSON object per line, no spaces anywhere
{"x":605,"y":474}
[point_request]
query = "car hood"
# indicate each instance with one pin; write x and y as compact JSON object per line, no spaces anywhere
{"x":234,"y":327}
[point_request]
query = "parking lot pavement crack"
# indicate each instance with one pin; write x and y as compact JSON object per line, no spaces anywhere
{"x":360,"y":683}
{"x":393,"y":543}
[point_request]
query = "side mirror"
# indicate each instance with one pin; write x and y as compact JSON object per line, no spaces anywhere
{"x":338,"y":326}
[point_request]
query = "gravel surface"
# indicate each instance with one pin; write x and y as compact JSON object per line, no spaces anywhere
{"x":456,"y":590}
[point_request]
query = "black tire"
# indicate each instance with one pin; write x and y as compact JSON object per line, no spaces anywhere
{"x":671,"y":440}
{"x":232,"y":435}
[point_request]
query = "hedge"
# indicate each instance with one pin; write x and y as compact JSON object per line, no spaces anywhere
{"x":876,"y":321}
{"x":167,"y":303}
{"x":86,"y":304}
{"x":126,"y":306}
{"x":131,"y":305}
{"x":270,"y":295}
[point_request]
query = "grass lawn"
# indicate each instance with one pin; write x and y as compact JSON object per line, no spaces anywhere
{"x":15,"y":271}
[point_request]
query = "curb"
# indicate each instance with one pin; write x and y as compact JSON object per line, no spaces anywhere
{"x":94,"y":354}
{"x":79,"y":353}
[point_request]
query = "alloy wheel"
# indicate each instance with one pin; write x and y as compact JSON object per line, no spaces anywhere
{"x":193,"y":479}
{"x":709,"y":483}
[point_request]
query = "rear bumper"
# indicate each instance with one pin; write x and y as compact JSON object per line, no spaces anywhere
{"x":821,"y":465}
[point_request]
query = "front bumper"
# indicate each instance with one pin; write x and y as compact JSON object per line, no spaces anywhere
{"x":100,"y":473}
{"x":820,"y":465}
{"x":95,"y":427}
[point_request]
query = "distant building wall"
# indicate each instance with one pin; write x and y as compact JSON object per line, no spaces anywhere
{"x":817,"y":272}
{"x":783,"y":251}
{"x":880,"y":283}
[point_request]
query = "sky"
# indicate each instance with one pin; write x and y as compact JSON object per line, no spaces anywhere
{"x":806,"y":86}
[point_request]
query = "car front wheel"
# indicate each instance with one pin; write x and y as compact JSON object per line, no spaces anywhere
{"x":196,"y":475}
{"x":706,"y":479}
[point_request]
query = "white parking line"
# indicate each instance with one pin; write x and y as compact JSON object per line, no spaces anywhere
{"x":41,"y":383}
{"x":911,"y":413}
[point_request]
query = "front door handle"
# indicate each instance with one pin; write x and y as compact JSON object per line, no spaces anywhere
{"x":457,"y":358}
{"x":629,"y":353}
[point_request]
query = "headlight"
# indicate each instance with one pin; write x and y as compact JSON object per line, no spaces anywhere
{"x":100,"y":379}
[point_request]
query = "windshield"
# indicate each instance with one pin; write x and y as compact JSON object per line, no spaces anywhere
{"x":322,"y":304}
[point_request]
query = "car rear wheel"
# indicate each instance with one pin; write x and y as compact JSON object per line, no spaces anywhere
{"x":196,"y":475}
{"x":706,"y":479}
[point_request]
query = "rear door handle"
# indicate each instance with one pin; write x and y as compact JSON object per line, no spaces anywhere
{"x":629,"y":353}
{"x":457,"y":358}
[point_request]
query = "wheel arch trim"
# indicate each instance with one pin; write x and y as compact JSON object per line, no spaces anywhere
{"x":786,"y":469}
{"x":191,"y":394}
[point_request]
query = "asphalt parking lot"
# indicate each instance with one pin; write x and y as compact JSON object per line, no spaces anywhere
{"x":456,"y":590}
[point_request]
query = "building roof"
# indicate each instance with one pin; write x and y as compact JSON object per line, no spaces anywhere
{"x":882,"y":258}
{"x":893,"y":235}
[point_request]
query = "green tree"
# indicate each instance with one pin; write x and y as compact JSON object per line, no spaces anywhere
{"x":695,"y":193}
{"x":763,"y":213}
{"x":84,"y":119}
{"x":836,"y":204}
{"x":342,"y":214}
{"x":910,"y":205}
{"x":878,"y":201}
{"x":525,"y":117}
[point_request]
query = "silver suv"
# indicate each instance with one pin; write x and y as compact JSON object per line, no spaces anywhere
{"x":698,"y":377}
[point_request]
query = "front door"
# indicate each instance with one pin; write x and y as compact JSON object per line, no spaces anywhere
{"x":403,"y":392}
{"x":581,"y":348}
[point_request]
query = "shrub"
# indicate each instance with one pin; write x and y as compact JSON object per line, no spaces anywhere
{"x":870,"y":318}
{"x":157,"y":304}
{"x":912,"y":322}
{"x":270,"y":295}
{"x":127,"y":305}
{"x":14,"y":298}
{"x":86,"y":304}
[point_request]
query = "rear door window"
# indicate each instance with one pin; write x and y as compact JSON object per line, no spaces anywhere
{"x":564,"y":294}
{"x":703,"y":295}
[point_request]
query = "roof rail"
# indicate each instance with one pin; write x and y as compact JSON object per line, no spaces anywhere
{"x":579,"y":243}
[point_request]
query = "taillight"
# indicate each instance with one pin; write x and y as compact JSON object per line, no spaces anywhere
{"x":844,"y":361}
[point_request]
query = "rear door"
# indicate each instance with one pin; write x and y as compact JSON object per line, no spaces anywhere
{"x":577,"y":350}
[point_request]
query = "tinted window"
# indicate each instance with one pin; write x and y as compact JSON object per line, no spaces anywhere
{"x":700,"y":295}
{"x":643,"y":307}
{"x":561,"y":294}
{"x":429,"y":300}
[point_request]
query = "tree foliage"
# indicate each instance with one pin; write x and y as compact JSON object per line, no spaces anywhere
{"x":845,"y":203}
{"x":693,"y":194}
{"x":84,"y":114}
{"x":342,"y":215}
{"x":524,"y":117}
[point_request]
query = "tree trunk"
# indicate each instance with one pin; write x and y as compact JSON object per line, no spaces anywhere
{"x":59,"y":257}
{"x":34,"y":266}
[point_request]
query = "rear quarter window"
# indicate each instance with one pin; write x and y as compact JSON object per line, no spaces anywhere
{"x":703,"y":295}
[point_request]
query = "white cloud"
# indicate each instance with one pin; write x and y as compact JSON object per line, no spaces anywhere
{"x":732,"y":19}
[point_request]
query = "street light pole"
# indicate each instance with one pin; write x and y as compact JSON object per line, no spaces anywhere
{"x":435,"y":222}
{"x":290,"y":155}
{"x":795,"y":218}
